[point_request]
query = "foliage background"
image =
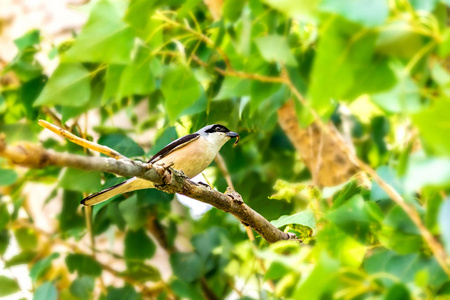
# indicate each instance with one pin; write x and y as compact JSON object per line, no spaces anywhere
{"x":378,"y":68}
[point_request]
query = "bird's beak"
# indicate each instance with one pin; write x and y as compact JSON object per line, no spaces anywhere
{"x":232,"y":134}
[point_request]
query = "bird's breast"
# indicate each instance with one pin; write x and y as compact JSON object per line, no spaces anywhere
{"x":193,"y":158}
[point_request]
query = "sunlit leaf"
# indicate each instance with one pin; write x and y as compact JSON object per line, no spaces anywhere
{"x":433,"y":125}
{"x":68,"y":85}
{"x":180,"y":89}
{"x":8,"y":286}
{"x":42,"y":266}
{"x":366,"y":12}
{"x":46,"y":291}
{"x":103,"y":29}
{"x":7,"y":176}
{"x":274,"y":48}
{"x":305,"y":218}
{"x":305,"y":10}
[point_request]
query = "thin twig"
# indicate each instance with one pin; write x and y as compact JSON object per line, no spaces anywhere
{"x":82,"y":142}
{"x":239,"y":74}
{"x":223,"y":168}
{"x":201,"y":36}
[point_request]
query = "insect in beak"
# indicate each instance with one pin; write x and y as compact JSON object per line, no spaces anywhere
{"x":232,"y":134}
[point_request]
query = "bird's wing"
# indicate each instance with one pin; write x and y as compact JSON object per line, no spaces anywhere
{"x":134,"y":183}
{"x":177,"y":144}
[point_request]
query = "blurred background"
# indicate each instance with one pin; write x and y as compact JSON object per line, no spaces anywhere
{"x":343,"y":111}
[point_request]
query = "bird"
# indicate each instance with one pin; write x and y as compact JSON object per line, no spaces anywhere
{"x":191,"y":154}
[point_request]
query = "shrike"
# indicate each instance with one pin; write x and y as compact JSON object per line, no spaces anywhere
{"x":191,"y":154}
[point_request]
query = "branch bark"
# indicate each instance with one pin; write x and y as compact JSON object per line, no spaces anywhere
{"x":168,"y":179}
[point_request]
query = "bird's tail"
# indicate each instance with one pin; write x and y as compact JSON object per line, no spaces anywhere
{"x":129,"y":185}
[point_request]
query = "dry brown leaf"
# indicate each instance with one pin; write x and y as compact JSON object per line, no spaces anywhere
{"x":327,"y":162}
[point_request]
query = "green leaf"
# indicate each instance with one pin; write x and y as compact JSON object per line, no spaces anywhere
{"x":21,"y":258}
{"x":357,"y":217}
{"x":80,"y":181}
{"x":403,"y":97}
{"x":26,"y":238}
{"x":305,"y":218}
{"x":305,"y":10}
{"x":187,"y":266}
{"x":444,"y":223}
{"x":137,"y":77}
{"x":427,"y":5}
{"x":112,"y":82}
{"x":345,"y":61}
{"x":4,"y":240}
{"x":69,"y":85}
{"x":405,"y":267}
{"x":276,"y":271}
{"x":29,"y":39}
{"x":233,"y":87}
{"x":70,"y":221}
{"x":46,"y":291}
{"x":24,"y":65}
{"x":274,"y":48}
{"x":186,"y":290}
{"x":138,"y":16}
{"x":365,"y":12}
{"x":29,"y":92}
{"x":260,"y":92}
{"x":320,"y":280}
{"x":389,"y":176}
{"x":180,"y":89}
{"x":133,"y":213}
{"x":7,"y":177}
{"x":433,"y":125}
{"x":397,"y":292}
{"x":122,"y":144}
{"x":83,"y":287}
{"x":4,"y":215}
{"x":104,"y":38}
{"x":232,"y":9}
{"x":142,"y":272}
{"x":126,"y":292}
{"x":8,"y":286}
{"x":427,"y":171}
{"x":341,"y":245}
{"x":83,"y":264}
{"x":41,"y":267}
{"x":138,"y":246}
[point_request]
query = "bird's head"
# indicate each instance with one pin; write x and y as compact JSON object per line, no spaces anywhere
{"x":218,"y":134}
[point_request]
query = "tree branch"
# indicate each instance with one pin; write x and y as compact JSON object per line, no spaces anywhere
{"x":168,"y":179}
